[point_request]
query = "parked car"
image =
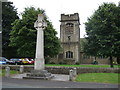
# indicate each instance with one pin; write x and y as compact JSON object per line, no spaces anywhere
{"x":30,"y":60}
{"x":11,"y":62}
{"x":3,"y":60}
{"x":24,"y":61}
{"x":16,"y":61}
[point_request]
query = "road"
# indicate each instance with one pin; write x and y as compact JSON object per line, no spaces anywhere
{"x":30,"y":83}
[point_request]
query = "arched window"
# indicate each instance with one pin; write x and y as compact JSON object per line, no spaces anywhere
{"x":69,"y":28}
{"x":69,"y":54}
{"x":69,"y":24}
{"x":69,"y":37}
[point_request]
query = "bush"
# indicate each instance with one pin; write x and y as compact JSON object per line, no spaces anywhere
{"x":47,"y":60}
{"x":77,"y":63}
{"x":52,"y":63}
{"x":62,"y":63}
{"x":95,"y":62}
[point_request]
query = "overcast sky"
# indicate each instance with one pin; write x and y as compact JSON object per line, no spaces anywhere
{"x":54,"y":8}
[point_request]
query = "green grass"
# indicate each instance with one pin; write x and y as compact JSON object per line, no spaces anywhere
{"x":98,"y":78}
{"x":99,"y":66}
{"x":64,"y":65}
{"x":2,"y":72}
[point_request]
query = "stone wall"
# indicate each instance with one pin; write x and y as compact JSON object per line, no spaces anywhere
{"x":70,"y":38}
{"x":69,"y":17}
{"x":100,"y":61}
{"x":65,"y":70}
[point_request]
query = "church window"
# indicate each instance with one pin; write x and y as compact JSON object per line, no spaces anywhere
{"x":69,"y":37}
{"x":69,"y":54}
{"x":69,"y":28}
{"x":69,"y":24}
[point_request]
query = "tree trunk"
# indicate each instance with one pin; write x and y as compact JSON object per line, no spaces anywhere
{"x":118,"y":60}
{"x":111,"y":62}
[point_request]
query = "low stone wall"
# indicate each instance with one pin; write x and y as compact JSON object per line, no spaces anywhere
{"x":100,"y":61}
{"x":17,"y":67}
{"x":65,"y":70}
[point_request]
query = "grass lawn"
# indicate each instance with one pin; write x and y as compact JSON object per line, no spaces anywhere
{"x":98,"y":78}
{"x":99,"y":66}
{"x":2,"y":72}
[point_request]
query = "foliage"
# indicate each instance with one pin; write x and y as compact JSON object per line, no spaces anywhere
{"x":62,"y":63}
{"x":47,"y":60}
{"x":94,"y":62}
{"x":9,"y":14}
{"x":2,"y":72}
{"x":98,"y":78}
{"x":52,"y":43}
{"x":103,"y":32}
{"x":23,"y":35}
{"x":51,"y":62}
{"x":82,"y":44}
{"x":77,"y":63}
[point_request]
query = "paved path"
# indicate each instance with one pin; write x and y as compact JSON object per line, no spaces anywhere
{"x":57,"y":77}
{"x":30,"y":83}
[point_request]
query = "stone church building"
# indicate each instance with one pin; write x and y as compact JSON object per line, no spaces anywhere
{"x":70,"y":37}
{"x":71,"y":52}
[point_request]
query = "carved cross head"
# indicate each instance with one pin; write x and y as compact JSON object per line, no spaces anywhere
{"x":40,"y":22}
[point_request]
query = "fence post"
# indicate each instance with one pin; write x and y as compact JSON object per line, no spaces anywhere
{"x":7,"y":72}
{"x":71,"y":77}
{"x":74,"y":72}
{"x":21,"y":68}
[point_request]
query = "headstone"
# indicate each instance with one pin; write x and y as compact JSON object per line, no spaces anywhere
{"x":7,"y":72}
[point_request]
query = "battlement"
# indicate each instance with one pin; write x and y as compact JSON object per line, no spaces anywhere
{"x":70,"y":17}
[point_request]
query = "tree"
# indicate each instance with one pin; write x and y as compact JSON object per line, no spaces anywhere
{"x":103,"y":32}
{"x":52,"y":43}
{"x":23,"y":35}
{"x":9,"y":14}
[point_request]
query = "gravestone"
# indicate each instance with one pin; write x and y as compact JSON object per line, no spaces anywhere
{"x":39,"y":71}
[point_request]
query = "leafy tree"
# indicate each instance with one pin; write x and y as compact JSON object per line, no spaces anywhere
{"x":103,"y":32}
{"x":23,"y":35}
{"x":9,"y":14}
{"x":52,"y":43}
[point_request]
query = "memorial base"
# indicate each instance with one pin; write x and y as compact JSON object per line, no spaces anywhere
{"x":39,"y":74}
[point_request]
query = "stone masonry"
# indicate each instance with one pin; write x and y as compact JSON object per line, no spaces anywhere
{"x":70,"y":37}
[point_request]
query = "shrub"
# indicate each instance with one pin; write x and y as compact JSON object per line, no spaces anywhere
{"x":47,"y":60}
{"x":77,"y":63}
{"x":62,"y":63}
{"x":51,"y":62}
{"x":95,"y":62}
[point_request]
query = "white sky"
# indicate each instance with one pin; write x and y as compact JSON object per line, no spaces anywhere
{"x":54,"y":8}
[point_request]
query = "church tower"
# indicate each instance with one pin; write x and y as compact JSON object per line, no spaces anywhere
{"x":70,"y":37}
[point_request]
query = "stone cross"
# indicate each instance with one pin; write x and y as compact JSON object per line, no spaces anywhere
{"x":40,"y":25}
